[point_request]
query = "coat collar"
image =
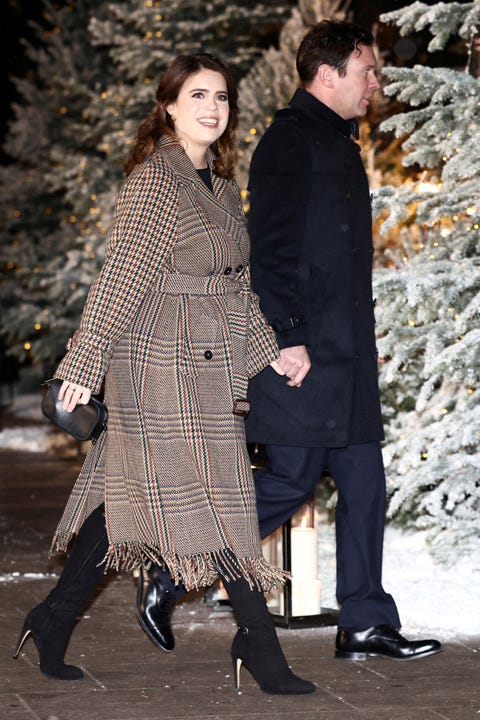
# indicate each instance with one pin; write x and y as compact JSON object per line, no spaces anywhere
{"x":221,"y":206}
{"x":308,"y":103}
{"x":178,"y":159}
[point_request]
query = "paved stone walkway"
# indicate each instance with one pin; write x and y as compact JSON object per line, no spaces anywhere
{"x":127,"y":678}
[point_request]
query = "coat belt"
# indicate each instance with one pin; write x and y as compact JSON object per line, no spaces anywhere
{"x":178,"y":284}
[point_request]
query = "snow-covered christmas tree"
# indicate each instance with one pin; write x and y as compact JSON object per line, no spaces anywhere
{"x":428,"y":300}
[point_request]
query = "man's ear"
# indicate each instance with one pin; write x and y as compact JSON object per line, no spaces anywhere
{"x":325,"y":75}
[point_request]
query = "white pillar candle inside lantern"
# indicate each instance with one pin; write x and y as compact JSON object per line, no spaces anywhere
{"x":306,"y":587}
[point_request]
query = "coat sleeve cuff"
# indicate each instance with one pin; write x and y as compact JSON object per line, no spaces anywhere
{"x":86,"y":361}
{"x":261,"y":352}
{"x":292,"y":337}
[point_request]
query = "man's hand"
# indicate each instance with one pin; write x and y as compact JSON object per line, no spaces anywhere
{"x":295,"y":363}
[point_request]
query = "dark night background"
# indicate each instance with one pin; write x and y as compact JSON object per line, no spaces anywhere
{"x":16,"y":15}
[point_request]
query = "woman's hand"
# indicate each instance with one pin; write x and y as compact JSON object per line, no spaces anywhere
{"x":275,"y":364}
{"x":295,"y":364}
{"x":73,"y":395}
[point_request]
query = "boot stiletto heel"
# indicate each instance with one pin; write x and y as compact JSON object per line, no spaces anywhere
{"x":26,"y":631}
{"x":237,"y":664}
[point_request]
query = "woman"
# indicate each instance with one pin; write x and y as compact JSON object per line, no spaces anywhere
{"x":172,"y":326}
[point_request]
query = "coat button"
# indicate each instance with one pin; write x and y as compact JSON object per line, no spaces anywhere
{"x":227,"y":270}
{"x":208,"y":354}
{"x":239,"y":268}
{"x":344,"y":227}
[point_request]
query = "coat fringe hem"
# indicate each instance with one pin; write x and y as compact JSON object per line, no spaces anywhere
{"x":193,"y":571}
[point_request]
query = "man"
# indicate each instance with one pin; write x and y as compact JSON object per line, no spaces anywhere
{"x":311,"y":231}
{"x":311,"y":262}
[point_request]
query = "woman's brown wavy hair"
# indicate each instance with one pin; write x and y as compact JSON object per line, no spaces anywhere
{"x":159,"y":122}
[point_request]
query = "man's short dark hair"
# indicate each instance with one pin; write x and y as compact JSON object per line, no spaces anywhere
{"x":330,"y":42}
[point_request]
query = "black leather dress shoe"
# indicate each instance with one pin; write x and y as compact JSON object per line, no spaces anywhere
{"x":154,"y":606}
{"x":383,"y":640}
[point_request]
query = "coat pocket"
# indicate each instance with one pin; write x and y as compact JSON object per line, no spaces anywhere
{"x":200,"y":335}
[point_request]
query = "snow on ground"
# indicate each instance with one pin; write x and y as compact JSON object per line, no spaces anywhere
{"x":433,"y":599}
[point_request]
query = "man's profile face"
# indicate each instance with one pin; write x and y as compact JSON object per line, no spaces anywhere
{"x":351,"y":94}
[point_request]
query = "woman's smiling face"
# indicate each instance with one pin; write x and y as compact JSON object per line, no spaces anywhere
{"x":200,"y":113}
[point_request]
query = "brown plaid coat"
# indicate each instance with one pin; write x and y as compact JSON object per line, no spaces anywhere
{"x":173,"y":327}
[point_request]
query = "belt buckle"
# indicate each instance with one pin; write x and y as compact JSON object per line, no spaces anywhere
{"x":239,"y":411}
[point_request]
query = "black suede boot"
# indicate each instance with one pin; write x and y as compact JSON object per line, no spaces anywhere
{"x":256,"y":644}
{"x":51,"y":622}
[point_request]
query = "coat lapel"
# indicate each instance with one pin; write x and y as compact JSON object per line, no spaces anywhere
{"x":222,"y":207}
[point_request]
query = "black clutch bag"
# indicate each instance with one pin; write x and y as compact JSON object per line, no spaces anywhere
{"x":85,"y":422}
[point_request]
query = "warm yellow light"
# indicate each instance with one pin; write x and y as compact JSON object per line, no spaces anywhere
{"x":427,"y":187}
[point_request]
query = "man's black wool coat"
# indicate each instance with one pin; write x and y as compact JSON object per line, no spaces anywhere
{"x":311,"y":260}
